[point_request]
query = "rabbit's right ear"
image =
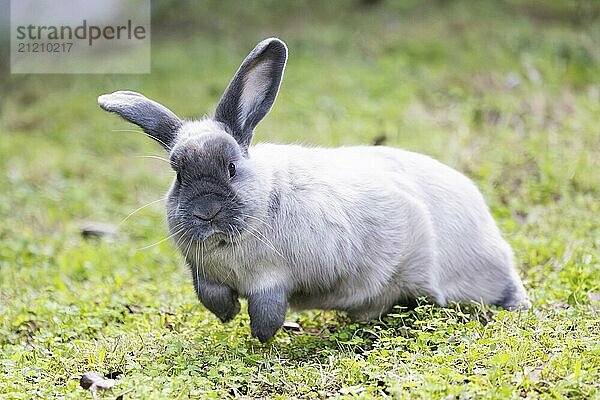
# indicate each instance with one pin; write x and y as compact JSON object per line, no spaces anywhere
{"x":155,"y":119}
{"x":252,"y":91}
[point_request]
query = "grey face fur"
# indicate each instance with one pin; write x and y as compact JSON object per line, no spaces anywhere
{"x":203,"y":200}
{"x":357,"y":229}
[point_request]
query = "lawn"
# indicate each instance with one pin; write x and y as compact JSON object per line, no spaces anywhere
{"x":507,"y":92}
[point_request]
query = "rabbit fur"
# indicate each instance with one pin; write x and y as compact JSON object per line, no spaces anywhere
{"x":358,"y":229}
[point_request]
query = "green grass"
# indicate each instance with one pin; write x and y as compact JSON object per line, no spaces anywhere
{"x":432,"y":77}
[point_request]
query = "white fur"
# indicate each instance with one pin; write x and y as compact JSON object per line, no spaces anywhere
{"x":360,"y":228}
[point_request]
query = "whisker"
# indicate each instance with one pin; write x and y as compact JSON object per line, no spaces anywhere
{"x":155,"y":157}
{"x":241,"y":250}
{"x":230,"y":236}
{"x":187,"y":251}
{"x":160,"y":241}
{"x":263,"y":236}
{"x":140,"y":208}
{"x":182,"y":237}
{"x":257,"y":219}
{"x":197,"y":267}
{"x":235,"y":196}
{"x":202,"y":259}
{"x":265,"y":241}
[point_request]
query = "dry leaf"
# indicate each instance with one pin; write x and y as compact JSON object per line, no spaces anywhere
{"x":94,"y":381}
{"x":292,"y":326}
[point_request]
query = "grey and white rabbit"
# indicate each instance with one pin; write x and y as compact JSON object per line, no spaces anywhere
{"x":357,"y":229}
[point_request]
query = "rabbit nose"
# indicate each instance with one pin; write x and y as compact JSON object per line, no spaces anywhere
{"x":209,"y":212}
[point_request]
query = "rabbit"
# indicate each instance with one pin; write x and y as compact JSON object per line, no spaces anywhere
{"x":355,"y":229}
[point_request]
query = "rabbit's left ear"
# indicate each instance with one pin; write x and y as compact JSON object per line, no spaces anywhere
{"x":156,"y":120}
{"x":252,"y":91}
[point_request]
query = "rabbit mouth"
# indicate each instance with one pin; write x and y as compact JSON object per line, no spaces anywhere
{"x":213,"y":236}
{"x":214,"y":233}
{"x":202,"y":235}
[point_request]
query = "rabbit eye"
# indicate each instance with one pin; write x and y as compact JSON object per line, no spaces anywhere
{"x":231,"y":169}
{"x":179,"y":178}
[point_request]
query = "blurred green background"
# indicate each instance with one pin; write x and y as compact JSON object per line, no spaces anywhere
{"x":507,"y":92}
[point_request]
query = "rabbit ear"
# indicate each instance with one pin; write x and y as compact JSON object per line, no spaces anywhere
{"x":155,"y":119}
{"x":252,"y":91}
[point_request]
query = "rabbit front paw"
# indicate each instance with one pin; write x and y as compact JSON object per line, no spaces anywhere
{"x":221,"y":300}
{"x":267,"y":310}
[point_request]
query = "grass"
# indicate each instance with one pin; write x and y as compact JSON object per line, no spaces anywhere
{"x":506,"y":92}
